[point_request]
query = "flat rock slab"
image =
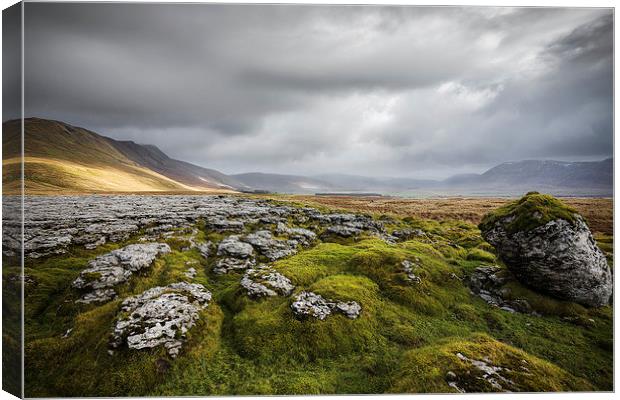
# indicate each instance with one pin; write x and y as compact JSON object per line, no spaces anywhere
{"x":114,"y":268}
{"x":52,"y":224}
{"x":227,"y":265}
{"x":486,"y":373}
{"x":264,"y":281}
{"x":270,"y":247}
{"x":233,"y":247}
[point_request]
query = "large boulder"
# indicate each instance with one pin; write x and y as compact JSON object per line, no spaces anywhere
{"x":549,"y":247}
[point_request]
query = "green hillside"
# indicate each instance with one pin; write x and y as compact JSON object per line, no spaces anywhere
{"x":63,"y":158}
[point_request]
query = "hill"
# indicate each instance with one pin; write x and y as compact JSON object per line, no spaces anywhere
{"x":59,"y":157}
{"x":560,"y":178}
{"x":64,"y":158}
{"x":543,"y":173}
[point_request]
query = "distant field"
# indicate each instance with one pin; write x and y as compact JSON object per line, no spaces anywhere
{"x":597,"y":211}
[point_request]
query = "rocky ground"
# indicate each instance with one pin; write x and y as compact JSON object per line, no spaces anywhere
{"x":187,"y":294}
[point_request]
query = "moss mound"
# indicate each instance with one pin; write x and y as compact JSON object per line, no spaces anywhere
{"x":427,"y":369}
{"x":529,"y":212}
{"x":269,"y":331}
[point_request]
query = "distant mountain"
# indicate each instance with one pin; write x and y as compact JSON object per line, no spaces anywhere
{"x":553,"y":173}
{"x":507,"y":179}
{"x":63,"y":158}
{"x":557,"y":177}
{"x":283,"y":183}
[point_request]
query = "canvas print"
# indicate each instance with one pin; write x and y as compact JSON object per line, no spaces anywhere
{"x":252,"y":199}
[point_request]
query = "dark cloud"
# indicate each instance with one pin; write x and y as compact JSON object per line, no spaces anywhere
{"x":403,"y":91}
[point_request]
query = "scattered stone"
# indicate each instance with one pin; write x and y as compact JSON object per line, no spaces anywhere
{"x":303,"y":236}
{"x":455,"y":277}
{"x":488,"y":283}
{"x":450,"y":376}
{"x":223,"y":225}
{"x":350,"y":309}
{"x":488,"y":372}
{"x":91,"y":246}
{"x":97,"y":296}
{"x":270,"y":247}
{"x":226,"y":265}
{"x":204,"y":248}
{"x":408,"y":267}
{"x":408,"y":234}
{"x":114,"y":268}
{"x":264,"y":281}
{"x":344,"y":231}
{"x":160,"y":316}
{"x":190,"y":273}
{"x":314,"y":305}
{"x":559,"y":257}
{"x":233,"y":247}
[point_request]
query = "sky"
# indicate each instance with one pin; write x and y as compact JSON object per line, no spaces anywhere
{"x":421,"y":92}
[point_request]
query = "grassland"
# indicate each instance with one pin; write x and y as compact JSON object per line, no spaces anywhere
{"x":405,"y":341}
{"x":598,"y":212}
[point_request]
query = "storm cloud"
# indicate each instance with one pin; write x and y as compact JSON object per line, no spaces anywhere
{"x":382,"y":91}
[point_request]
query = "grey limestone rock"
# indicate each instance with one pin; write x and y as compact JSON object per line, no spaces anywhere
{"x":114,"y":268}
{"x":408,"y":268}
{"x":271,"y":247}
{"x":488,"y":283}
{"x":315,"y":305}
{"x":232,"y":246}
{"x":226,"y":265}
{"x":559,"y":258}
{"x":160,"y":316}
{"x":264,"y":281}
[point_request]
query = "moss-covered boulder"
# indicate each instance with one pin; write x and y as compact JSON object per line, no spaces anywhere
{"x":549,"y":247}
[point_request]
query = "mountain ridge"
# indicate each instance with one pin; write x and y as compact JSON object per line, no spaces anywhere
{"x":60,"y":157}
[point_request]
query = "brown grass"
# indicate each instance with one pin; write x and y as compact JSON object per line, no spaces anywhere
{"x":597,"y":211}
{"x":55,"y":176}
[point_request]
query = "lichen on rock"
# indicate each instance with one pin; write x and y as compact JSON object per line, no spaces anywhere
{"x":114,"y":268}
{"x":315,"y":305}
{"x":550,"y":248}
{"x":271,"y":247}
{"x":160,"y":316}
{"x":232,"y":246}
{"x":264,"y":281}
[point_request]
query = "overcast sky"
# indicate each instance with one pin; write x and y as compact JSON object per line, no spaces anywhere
{"x":381,"y":91}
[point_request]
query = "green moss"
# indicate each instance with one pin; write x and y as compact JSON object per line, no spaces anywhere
{"x":316,"y":263}
{"x":529,"y":212}
{"x":269,"y":331}
{"x":480,"y":255}
{"x":424,"y":370}
{"x":541,"y":303}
